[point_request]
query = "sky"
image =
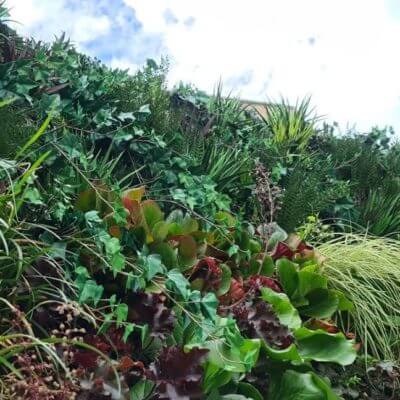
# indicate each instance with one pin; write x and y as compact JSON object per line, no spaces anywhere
{"x":344,"y":53}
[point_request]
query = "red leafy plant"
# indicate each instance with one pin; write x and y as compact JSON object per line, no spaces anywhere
{"x":256,"y":282}
{"x":150,"y":309}
{"x":206,"y":275}
{"x":293,"y":249}
{"x":257,"y":319}
{"x":178,"y":375}
{"x":241,"y":289}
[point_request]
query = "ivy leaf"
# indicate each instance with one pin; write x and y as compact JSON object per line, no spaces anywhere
{"x":151,"y":265}
{"x":145,"y":109}
{"x":178,"y":283}
{"x":122,"y":313}
{"x":209,"y":304}
{"x":92,"y":218}
{"x":33,"y":196}
{"x":91,"y":292}
{"x":234,"y":249}
{"x":117,"y":263}
{"x":120,"y":214}
{"x":124,"y":116}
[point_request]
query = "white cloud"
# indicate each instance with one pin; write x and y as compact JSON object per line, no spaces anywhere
{"x":343,"y":53}
{"x":45,"y":19}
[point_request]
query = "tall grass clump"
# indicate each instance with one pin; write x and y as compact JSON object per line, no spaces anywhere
{"x":367,"y":269}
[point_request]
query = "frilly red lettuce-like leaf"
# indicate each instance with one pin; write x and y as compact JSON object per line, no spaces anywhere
{"x":178,"y":375}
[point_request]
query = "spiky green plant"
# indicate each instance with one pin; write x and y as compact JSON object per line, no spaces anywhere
{"x":381,"y":211}
{"x":367,"y":269}
{"x":291,"y":127}
{"x":309,"y":189}
{"x":225,"y":165}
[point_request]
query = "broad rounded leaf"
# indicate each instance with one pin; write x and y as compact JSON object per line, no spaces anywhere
{"x":225,"y":280}
{"x":308,"y":281}
{"x":187,"y":251}
{"x":249,"y":390}
{"x":152,"y":212}
{"x":294,"y":385}
{"x":319,"y":345}
{"x":289,"y":354}
{"x":160,"y":231}
{"x":286,"y":312}
{"x":322,"y":303}
{"x":288,"y":275}
{"x":167,"y":253}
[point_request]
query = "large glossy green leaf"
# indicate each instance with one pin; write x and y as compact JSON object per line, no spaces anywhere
{"x":288,"y":275}
{"x":291,"y":353}
{"x":261,"y":264}
{"x":215,"y":377}
{"x":248,"y":390}
{"x":234,"y":359}
{"x":309,"y":281}
{"x":141,"y":390}
{"x":322,"y":346}
{"x":294,"y":385}
{"x":286,"y":312}
{"x":322,"y":303}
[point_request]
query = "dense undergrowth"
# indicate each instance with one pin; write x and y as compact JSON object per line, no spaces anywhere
{"x":144,"y":251}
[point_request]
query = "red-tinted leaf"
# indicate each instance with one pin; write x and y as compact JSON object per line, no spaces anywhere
{"x":256,"y":282}
{"x":150,"y":309}
{"x":282,"y":250}
{"x":208,"y":271}
{"x":178,"y":375}
{"x":257,"y":319}
{"x":236,"y":292}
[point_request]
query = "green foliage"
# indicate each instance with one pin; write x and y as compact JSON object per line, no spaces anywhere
{"x":147,"y":87}
{"x":291,"y":127}
{"x":15,"y":130}
{"x":117,"y":287}
{"x":310,"y":188}
{"x":367,"y":269}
